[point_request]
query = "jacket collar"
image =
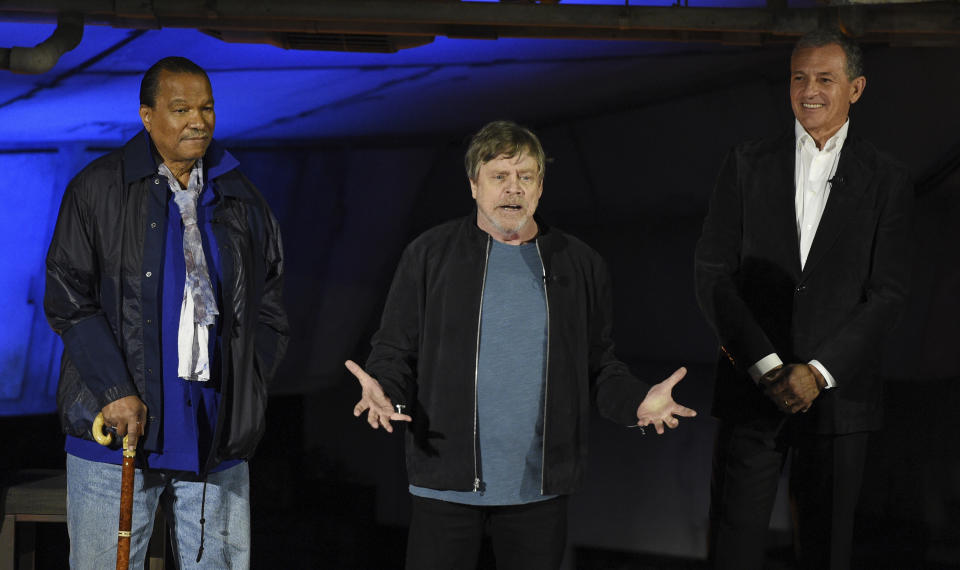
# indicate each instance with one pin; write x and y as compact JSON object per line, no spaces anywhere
{"x":138,"y":162}
{"x":470,"y":221}
{"x":848,"y":186}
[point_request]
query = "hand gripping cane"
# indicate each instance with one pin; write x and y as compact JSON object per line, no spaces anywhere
{"x":126,"y":492}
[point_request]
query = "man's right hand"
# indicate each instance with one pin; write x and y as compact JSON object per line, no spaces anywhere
{"x":128,"y":415}
{"x":374,"y":401}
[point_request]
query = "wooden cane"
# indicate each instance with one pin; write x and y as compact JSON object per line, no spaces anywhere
{"x":126,"y":492}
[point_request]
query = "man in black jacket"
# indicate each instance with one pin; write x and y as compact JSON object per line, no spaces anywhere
{"x":495,"y":338}
{"x":164,"y":280}
{"x":801,"y":270}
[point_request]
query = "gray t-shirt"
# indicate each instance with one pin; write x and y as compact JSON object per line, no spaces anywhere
{"x":510,"y":381}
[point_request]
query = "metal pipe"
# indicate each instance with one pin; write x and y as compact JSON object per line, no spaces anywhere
{"x":44,"y":56}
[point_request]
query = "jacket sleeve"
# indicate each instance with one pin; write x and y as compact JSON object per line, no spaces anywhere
{"x":851,"y":346}
{"x":395,"y":346}
{"x":618,"y":393}
{"x":72,"y":300}
{"x":273,"y":332}
{"x":716,"y":267}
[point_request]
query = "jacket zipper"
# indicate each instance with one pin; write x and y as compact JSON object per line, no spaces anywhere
{"x":546,"y":372}
{"x":476,"y":367}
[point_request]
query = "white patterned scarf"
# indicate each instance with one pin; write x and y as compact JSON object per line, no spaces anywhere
{"x":199,"y":308}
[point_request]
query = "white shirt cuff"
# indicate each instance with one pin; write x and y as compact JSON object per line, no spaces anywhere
{"x":831,"y":383}
{"x":764,"y":365}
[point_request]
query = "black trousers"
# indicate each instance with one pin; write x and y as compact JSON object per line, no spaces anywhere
{"x":447,"y":536}
{"x":825,"y":482}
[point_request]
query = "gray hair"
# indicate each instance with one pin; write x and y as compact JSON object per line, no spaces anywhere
{"x":826,"y":37}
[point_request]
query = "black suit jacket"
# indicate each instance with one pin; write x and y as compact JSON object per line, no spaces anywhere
{"x":836,"y":310}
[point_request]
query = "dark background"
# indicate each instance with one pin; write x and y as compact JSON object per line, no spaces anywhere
{"x":634,"y":132}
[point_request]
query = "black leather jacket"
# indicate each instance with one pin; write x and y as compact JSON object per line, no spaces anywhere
{"x":104,"y":260}
{"x":425,"y":354}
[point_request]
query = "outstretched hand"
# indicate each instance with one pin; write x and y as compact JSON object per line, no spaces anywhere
{"x":658,"y":407}
{"x":374,"y":401}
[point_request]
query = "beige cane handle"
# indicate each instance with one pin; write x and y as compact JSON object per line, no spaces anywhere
{"x":102,"y":437}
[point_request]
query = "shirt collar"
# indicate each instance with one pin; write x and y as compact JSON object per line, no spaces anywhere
{"x":139,"y":162}
{"x":804,"y":140}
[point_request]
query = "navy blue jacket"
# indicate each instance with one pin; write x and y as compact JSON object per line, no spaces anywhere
{"x":102,"y":288}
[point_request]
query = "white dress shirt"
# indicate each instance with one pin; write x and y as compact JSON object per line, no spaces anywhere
{"x":813,"y":171}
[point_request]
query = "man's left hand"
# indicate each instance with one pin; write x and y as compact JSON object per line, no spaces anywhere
{"x":658,"y":407}
{"x":795,"y":387}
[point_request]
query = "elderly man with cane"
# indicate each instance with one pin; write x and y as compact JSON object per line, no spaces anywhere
{"x":164,"y":279}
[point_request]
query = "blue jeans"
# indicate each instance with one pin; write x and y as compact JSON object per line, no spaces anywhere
{"x":93,"y":508}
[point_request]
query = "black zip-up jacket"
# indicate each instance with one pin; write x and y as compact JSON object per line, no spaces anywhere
{"x":425,"y":354}
{"x":102,"y":292}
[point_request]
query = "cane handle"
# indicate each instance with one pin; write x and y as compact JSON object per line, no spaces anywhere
{"x":102,"y":437}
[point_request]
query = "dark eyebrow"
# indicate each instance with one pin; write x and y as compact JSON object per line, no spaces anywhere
{"x":816,"y":73}
{"x":181,"y":100}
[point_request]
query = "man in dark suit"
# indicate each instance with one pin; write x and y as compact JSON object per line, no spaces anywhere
{"x":801,"y":269}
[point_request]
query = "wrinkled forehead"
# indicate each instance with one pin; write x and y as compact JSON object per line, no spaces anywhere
{"x":514,"y":158}
{"x":171,"y":84}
